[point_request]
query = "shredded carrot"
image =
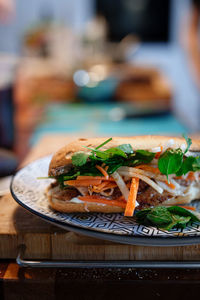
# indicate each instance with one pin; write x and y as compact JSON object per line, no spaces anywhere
{"x":105,"y":174}
{"x":130,"y":206}
{"x":101,"y":185}
{"x":159,"y":153}
{"x":128,"y":184}
{"x":188,"y":207}
{"x":179,"y":177}
{"x":105,"y":185}
{"x":121,"y":198}
{"x":171,"y":185}
{"x":94,"y":177}
{"x":149,"y":168}
{"x":83,"y":182}
{"x":109,"y":185}
{"x":98,"y":199}
{"x":190,"y":176}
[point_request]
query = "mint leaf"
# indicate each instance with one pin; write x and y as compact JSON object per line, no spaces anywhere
{"x":177,"y":221}
{"x":127,"y":148}
{"x":141,"y":216}
{"x":190,"y":163}
{"x":170,"y":161}
{"x":79,"y":159}
{"x":178,"y":210}
{"x":159,"y":216}
{"x":166,"y":217}
{"x":196,"y":164}
{"x":188,"y":141}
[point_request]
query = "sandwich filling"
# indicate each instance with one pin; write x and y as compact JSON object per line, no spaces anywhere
{"x":128,"y":178}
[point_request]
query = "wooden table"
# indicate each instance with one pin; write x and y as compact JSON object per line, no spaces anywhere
{"x":45,"y":241}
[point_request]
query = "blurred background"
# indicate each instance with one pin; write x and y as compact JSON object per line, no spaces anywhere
{"x":96,"y":68}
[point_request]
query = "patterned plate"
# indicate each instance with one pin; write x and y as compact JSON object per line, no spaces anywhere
{"x":28,"y":191}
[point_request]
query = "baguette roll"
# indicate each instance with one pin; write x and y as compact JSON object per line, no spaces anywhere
{"x":68,"y":200}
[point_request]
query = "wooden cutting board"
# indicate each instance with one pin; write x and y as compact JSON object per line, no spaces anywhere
{"x":44,"y":240}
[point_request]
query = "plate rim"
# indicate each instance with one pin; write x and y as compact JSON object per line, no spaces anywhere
{"x":122,"y":239}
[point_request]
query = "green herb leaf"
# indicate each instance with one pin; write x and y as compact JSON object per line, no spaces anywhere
{"x":142,"y":214}
{"x":188,"y":141}
{"x":196,"y":164}
{"x":159,"y":216}
{"x":177,"y":221}
{"x":69,"y":176}
{"x":104,"y":155}
{"x":127,"y":148}
{"x":115,"y":151}
{"x":140,"y":157}
{"x":170,"y":161}
{"x":79,"y":159}
{"x":189,"y":164}
{"x":178,"y":210}
{"x":166,"y":217}
{"x":104,"y":143}
{"x":145,"y":154}
{"x":97,"y":154}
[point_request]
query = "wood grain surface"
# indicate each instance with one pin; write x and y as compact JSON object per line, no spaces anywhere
{"x":46,"y":241}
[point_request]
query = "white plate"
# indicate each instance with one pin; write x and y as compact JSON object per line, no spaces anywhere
{"x":28,"y":191}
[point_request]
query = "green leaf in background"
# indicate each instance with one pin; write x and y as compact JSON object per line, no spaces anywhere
{"x":170,"y":161}
{"x":188,"y":141}
{"x":79,"y":158}
{"x":159,"y":216}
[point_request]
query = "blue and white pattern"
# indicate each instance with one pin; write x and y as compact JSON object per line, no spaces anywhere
{"x":29,"y":191}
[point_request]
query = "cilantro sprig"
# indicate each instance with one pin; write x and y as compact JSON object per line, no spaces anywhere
{"x":166,"y":217}
{"x":122,"y":155}
{"x":174,"y":161}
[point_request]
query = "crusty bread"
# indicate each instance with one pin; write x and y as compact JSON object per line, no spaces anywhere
{"x":63,"y":156}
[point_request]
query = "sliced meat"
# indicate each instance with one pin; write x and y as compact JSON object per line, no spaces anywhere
{"x":65,"y":194}
{"x":147,"y":196}
{"x":83,"y":190}
{"x":60,"y":170}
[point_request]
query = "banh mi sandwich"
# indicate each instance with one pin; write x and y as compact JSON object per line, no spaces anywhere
{"x":123,"y":173}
